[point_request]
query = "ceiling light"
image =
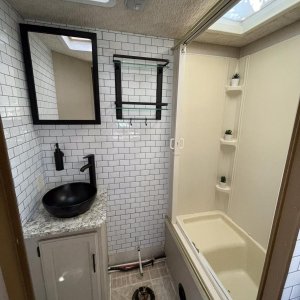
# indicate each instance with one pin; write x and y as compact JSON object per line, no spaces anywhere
{"x":135,"y":4}
{"x":106,"y":3}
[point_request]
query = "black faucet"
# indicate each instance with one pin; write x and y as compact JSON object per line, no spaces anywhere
{"x":92,"y":169}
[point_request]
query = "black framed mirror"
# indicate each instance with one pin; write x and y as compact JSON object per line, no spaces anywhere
{"x":62,"y":75}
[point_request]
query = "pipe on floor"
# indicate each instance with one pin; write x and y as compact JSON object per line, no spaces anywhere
{"x":135,"y":265}
{"x":140,"y":261}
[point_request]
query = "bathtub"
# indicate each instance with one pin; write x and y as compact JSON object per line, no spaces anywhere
{"x":229,"y":260}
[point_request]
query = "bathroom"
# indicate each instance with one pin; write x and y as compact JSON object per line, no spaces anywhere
{"x":149,"y":144}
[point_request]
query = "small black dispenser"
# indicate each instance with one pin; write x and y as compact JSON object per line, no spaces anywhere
{"x":58,"y":157}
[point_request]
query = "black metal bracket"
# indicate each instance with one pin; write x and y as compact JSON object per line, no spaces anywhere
{"x":160,"y":64}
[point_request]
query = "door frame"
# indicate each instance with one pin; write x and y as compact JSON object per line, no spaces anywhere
{"x":12,"y":251}
{"x":286,"y":223}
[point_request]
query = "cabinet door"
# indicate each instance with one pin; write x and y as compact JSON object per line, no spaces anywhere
{"x":70,"y":267}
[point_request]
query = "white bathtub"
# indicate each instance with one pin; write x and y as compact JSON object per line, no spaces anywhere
{"x":231,"y":260}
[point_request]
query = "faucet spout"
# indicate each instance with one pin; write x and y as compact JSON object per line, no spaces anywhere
{"x":87,"y":166}
{"x":92,"y":169}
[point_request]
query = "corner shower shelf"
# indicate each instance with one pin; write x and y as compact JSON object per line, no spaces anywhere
{"x":222,"y":189}
{"x":230,"y":88}
{"x":228,"y":142}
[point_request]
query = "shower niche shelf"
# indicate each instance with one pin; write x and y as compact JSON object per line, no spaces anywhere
{"x":225,"y":189}
{"x":230,"y":88}
{"x":232,"y":142}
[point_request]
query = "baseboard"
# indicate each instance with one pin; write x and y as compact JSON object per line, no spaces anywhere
{"x":131,"y":256}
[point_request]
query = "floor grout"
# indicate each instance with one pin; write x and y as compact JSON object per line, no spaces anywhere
{"x":157,"y":277}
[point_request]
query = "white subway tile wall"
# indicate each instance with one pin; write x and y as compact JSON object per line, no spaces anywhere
{"x":21,"y":136}
{"x":292,"y":285}
{"x":132,"y":162}
{"x":42,"y":64}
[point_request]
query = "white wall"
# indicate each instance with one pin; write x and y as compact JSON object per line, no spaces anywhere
{"x":21,"y":136}
{"x":42,"y":64}
{"x":74,"y":87}
{"x":201,"y":118}
{"x":270,"y":104}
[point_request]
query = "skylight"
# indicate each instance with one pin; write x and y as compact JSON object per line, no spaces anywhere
{"x":248,"y":14}
{"x":245,"y":9}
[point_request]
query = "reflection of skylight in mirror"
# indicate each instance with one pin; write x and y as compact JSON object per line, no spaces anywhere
{"x":246,"y":8}
{"x":77,"y":44}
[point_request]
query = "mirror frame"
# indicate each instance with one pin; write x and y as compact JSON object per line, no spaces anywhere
{"x":24,"y":30}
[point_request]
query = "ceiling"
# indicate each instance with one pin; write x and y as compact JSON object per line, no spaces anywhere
{"x":239,"y":40}
{"x":162,"y":18}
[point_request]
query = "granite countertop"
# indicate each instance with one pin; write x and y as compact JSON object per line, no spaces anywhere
{"x":43,"y":224}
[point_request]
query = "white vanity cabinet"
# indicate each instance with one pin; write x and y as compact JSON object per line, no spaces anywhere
{"x":69,"y":265}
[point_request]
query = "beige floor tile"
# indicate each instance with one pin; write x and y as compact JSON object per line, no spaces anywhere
{"x":124,"y":284}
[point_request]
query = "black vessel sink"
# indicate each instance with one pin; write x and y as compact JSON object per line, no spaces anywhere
{"x":69,"y":200}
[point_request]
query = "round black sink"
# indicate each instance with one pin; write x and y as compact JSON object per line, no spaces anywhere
{"x":69,"y":200}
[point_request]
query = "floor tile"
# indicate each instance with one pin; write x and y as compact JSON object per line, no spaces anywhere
{"x":157,"y":277}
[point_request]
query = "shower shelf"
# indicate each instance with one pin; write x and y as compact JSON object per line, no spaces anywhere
{"x":228,"y":143}
{"x":230,"y":88}
{"x":222,"y":189}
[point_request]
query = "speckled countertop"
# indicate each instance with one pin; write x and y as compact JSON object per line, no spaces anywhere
{"x":42,"y":223}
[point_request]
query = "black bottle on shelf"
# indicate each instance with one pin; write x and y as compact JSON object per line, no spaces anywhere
{"x":58,"y":157}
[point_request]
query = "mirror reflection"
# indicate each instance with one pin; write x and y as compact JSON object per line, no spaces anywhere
{"x":62,"y":70}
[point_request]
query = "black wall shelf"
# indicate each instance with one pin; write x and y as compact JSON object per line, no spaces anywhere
{"x":128,"y":60}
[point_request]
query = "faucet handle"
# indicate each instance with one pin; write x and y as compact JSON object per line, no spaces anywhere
{"x":89,"y":155}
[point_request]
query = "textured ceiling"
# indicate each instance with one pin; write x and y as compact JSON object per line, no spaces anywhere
{"x":162,"y":18}
{"x":260,"y":31}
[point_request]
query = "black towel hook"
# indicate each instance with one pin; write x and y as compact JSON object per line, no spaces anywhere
{"x":146,"y":122}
